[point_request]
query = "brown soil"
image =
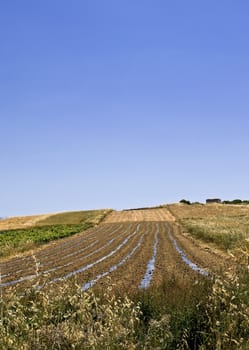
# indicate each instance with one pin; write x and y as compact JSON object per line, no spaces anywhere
{"x":110,"y":244}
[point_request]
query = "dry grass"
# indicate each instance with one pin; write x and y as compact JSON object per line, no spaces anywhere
{"x":159,"y":214}
{"x":72,"y":217}
{"x":226,"y":232}
{"x":194,"y":211}
{"x":21,"y":221}
{"x":75,"y":217}
{"x":227,"y":226}
{"x":206,"y":316}
{"x":67,"y":318}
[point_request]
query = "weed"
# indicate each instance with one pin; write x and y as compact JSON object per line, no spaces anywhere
{"x":207,"y":315}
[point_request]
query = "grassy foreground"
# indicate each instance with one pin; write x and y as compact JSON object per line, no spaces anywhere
{"x":207,"y":315}
{"x":54,"y":227}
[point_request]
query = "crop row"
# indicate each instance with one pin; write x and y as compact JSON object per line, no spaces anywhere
{"x":134,"y":254}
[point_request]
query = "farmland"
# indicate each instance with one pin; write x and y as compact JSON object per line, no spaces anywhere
{"x":226,"y":226}
{"x":19,"y":234}
{"x":153,"y":257}
{"x":121,"y":246}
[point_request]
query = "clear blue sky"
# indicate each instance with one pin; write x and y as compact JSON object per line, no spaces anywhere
{"x":122,"y":103}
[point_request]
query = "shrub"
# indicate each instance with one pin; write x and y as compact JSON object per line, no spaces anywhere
{"x":184,"y":201}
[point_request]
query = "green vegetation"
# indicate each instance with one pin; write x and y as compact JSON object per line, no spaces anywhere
{"x":227,"y":232}
{"x":16,"y":241}
{"x":207,"y":315}
{"x":75,"y":217}
{"x":236,"y":201}
{"x":54,"y":227}
{"x":185,"y":201}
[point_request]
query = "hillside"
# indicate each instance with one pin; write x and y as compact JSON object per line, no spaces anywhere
{"x":124,"y":241}
{"x":19,"y":234}
{"x":157,"y":278}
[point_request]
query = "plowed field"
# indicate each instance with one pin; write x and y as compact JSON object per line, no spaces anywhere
{"x":137,"y":249}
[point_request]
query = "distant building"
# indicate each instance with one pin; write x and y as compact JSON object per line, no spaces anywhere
{"x":213,"y":200}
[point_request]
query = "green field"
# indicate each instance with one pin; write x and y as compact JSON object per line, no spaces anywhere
{"x":54,"y":227}
{"x":75,"y":217}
